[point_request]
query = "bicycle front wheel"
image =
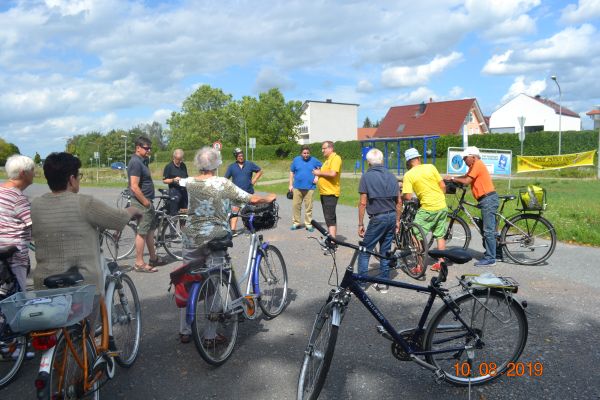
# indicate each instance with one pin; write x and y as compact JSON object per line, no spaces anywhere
{"x":124,"y":240}
{"x":496,"y":318}
{"x":215,"y":325}
{"x":458,"y":234}
{"x":126,"y":320}
{"x":66,"y":378}
{"x":273,"y":282}
{"x":528,"y":239}
{"x":411,"y":243}
{"x":172,"y":237}
{"x":318,"y":355}
{"x":12,"y":354}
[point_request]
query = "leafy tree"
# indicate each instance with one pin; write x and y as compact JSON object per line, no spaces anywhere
{"x":367,"y":123}
{"x":273,"y":121}
{"x":7,"y":150}
{"x":37,"y":159}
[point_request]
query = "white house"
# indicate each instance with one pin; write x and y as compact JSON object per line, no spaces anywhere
{"x":540,"y":115}
{"x":326,"y":120}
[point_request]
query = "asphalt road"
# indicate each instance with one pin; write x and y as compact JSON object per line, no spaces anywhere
{"x":563,"y":333}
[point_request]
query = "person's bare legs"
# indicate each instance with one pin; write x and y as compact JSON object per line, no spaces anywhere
{"x":332,"y":230}
{"x":140,"y":242}
{"x":150,"y":243}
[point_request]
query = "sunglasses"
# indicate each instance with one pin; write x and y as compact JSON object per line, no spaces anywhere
{"x":146,"y":148}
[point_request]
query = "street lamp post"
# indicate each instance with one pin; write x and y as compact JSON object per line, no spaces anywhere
{"x":125,"y":148}
{"x":553,"y":77}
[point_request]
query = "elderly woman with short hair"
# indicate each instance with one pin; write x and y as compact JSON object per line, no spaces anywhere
{"x":15,"y":214}
{"x":210,"y":201}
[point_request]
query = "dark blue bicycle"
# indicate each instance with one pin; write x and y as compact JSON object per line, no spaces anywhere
{"x":216,"y":302}
{"x":472,"y":339}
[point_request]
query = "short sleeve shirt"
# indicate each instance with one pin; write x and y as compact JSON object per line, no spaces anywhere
{"x":173,"y":171}
{"x":138,"y":167}
{"x":331,"y":186}
{"x":424,"y":181}
{"x":302,"y":170}
{"x":482,"y":181}
{"x":381,"y":188}
{"x":242,"y":177}
{"x":210,"y":202}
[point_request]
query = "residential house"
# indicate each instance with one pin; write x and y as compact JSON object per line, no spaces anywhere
{"x":327,"y":120}
{"x":433,"y":118}
{"x":365,"y":133}
{"x":595,"y":115}
{"x":540,"y":115}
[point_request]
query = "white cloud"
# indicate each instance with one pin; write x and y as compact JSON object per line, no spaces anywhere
{"x":420,"y":74}
{"x":364,"y":86}
{"x":456,"y":92}
{"x":269,"y":78}
{"x":569,"y":44}
{"x":511,"y":28}
{"x":585,"y":10}
{"x":520,"y":85}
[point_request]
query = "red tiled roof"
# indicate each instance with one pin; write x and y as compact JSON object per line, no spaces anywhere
{"x":439,"y":118}
{"x":556,"y":107}
{"x":593,"y":112}
{"x":365,"y":133}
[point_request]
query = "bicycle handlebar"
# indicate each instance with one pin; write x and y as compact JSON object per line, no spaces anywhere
{"x":330,"y":241}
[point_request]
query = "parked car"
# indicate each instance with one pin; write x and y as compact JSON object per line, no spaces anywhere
{"x":118,"y":165}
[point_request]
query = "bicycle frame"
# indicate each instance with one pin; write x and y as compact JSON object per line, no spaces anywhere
{"x":350,"y":282}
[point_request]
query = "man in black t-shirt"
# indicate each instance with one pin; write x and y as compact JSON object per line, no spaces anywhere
{"x":172,"y":175}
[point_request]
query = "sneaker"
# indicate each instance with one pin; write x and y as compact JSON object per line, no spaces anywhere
{"x":416,"y":270}
{"x":310,"y":228}
{"x":294,"y":227}
{"x":382,"y":288}
{"x":436,"y":267}
{"x":485,"y":263}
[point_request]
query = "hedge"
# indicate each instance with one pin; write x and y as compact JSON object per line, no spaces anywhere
{"x":536,"y":143}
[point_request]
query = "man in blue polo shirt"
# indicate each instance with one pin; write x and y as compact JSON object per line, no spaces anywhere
{"x":302,"y":183}
{"x":241,"y":172}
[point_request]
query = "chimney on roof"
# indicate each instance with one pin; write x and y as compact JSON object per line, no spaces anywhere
{"x":431,"y":99}
{"x":422,"y":107}
{"x":328,"y":100}
{"x":537,"y":96}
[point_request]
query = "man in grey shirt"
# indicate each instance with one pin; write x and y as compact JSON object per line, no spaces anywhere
{"x":142,"y":190}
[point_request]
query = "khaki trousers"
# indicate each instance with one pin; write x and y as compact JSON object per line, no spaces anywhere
{"x":306,"y":197}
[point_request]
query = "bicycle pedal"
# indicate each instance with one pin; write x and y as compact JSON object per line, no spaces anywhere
{"x":439,"y":376}
{"x":381,"y":330}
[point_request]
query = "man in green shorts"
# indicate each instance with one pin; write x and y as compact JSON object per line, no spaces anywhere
{"x":426,"y":182}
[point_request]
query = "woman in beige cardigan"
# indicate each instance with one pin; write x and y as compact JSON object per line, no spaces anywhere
{"x":66,"y":224}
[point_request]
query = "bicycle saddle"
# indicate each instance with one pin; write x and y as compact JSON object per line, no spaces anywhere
{"x":458,"y":256}
{"x":69,"y":278}
{"x":7,"y":252}
{"x":220,"y":244}
{"x":507,"y":196}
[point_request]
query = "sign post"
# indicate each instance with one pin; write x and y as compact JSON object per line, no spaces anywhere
{"x":252,"y":146}
{"x":522,"y":131}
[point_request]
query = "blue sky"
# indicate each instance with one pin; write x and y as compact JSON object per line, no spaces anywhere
{"x":71,"y":66}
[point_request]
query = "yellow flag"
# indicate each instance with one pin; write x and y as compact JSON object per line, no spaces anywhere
{"x":540,"y":163}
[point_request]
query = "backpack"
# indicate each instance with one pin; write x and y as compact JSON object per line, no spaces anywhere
{"x":182,"y":279}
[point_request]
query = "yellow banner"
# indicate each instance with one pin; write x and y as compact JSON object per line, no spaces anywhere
{"x":541,"y":163}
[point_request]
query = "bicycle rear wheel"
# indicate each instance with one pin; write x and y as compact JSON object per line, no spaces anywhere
{"x":126,"y":320}
{"x":528,"y":239}
{"x":172,"y":237}
{"x":12,"y":354}
{"x":495,"y":317}
{"x":411,"y":243}
{"x":273,"y":282}
{"x":124,"y":240}
{"x":66,"y":378}
{"x":215,"y":325}
{"x":318,"y":355}
{"x":458,"y":235}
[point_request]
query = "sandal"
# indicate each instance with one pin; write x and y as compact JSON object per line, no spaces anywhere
{"x":159,"y":261}
{"x":145,"y":268}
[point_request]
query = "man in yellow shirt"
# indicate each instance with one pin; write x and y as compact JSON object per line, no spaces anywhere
{"x":329,"y":184}
{"x":426,"y":182}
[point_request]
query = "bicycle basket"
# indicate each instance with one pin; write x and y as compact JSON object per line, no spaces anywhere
{"x":38,"y":310}
{"x":451,"y":187}
{"x":533,"y":198}
{"x":263,"y":216}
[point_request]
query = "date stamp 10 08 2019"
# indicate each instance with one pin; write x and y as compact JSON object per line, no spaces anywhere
{"x":513,"y":369}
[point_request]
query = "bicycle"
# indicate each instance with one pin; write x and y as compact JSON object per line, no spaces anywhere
{"x":13,"y":346}
{"x":73,"y":365}
{"x":167,"y":235}
{"x":410,"y":243}
{"x":483,"y":325}
{"x":522,"y":233}
{"x":216,"y":302}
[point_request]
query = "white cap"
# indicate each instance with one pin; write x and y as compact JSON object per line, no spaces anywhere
{"x":411,"y":153}
{"x":470,"y":151}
